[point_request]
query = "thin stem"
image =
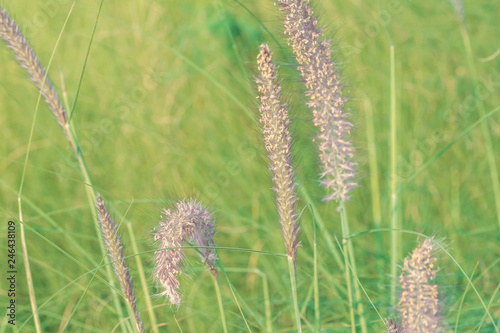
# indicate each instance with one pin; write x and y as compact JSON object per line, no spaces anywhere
{"x":375,"y":188}
{"x":395,"y":225}
{"x":322,"y":228}
{"x":345,"y":233}
{"x":91,"y":194}
{"x":493,"y":297}
{"x":293,"y":281}
{"x":463,"y":298}
{"x":317,"y":322}
{"x":267,"y":302}
{"x":349,"y":257}
{"x":89,"y":189}
{"x":490,"y":153}
{"x":27,"y":268}
{"x":221,"y":307}
{"x":265,"y":290}
{"x":142,"y":277}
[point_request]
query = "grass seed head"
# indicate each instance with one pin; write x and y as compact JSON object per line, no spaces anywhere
{"x":115,"y":252}
{"x":419,"y":303}
{"x":278,"y":143}
{"x":324,"y":91}
{"x":24,"y":53}
{"x":190,"y":221}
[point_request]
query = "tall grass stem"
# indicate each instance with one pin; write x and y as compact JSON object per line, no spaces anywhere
{"x":142,"y":277}
{"x":395,"y":224}
{"x":317,"y":314}
{"x":293,"y":283}
{"x":345,"y":233}
{"x":322,"y":228}
{"x":265,"y":291}
{"x":221,"y":305}
{"x":29,"y":278}
{"x":374,"y":186}
{"x":349,"y":258}
{"x":490,"y":154}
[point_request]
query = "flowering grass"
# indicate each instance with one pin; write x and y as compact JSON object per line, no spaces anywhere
{"x":167,"y":111}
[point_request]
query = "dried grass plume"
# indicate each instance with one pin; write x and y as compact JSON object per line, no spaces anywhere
{"x":190,"y":221}
{"x":115,"y":251}
{"x":278,"y":143}
{"x":419,"y":303}
{"x":24,"y":53}
{"x":324,"y":91}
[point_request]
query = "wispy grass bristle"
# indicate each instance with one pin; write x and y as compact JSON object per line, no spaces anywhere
{"x":324,"y":91}
{"x":190,"y":221}
{"x":278,"y":143}
{"x":115,"y":252}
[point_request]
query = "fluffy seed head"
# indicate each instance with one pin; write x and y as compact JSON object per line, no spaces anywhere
{"x":278,"y":142}
{"x":115,"y":251}
{"x":15,"y":40}
{"x":324,"y":91}
{"x":190,"y":221}
{"x":419,"y":304}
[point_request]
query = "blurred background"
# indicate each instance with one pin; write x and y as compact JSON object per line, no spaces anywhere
{"x":166,"y":110}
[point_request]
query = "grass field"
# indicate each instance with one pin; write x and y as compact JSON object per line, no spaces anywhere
{"x":162,"y":100}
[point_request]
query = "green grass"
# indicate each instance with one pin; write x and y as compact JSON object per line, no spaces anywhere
{"x":166,"y":109}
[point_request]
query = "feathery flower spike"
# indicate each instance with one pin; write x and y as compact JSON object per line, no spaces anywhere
{"x":190,"y":221}
{"x":419,"y":302}
{"x":15,"y":40}
{"x":324,"y":90}
{"x":115,"y":251}
{"x":275,"y":123}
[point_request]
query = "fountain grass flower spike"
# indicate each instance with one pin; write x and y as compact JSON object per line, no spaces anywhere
{"x":15,"y":40}
{"x":278,"y":142}
{"x":115,"y":251}
{"x":324,"y":91}
{"x":191,"y":222}
{"x":419,"y":303}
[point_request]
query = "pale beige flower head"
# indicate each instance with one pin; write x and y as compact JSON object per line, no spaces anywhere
{"x":278,"y":142}
{"x":324,"y":90}
{"x":419,"y":302}
{"x":189,"y":221}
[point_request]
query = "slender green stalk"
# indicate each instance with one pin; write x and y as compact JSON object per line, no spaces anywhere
{"x":293,"y":281}
{"x":463,"y":299}
{"x":69,"y":129}
{"x":29,"y":279}
{"x":322,"y":228}
{"x":317,"y":315}
{"x":490,"y":152}
{"x":265,"y":290}
{"x":142,"y":277}
{"x":91,"y":194}
{"x":348,"y":252}
{"x":492,"y":299}
{"x":234,"y":292}
{"x":221,"y":306}
{"x":267,"y":301}
{"x":374,"y":186}
{"x":345,"y":234}
{"x":395,"y":224}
